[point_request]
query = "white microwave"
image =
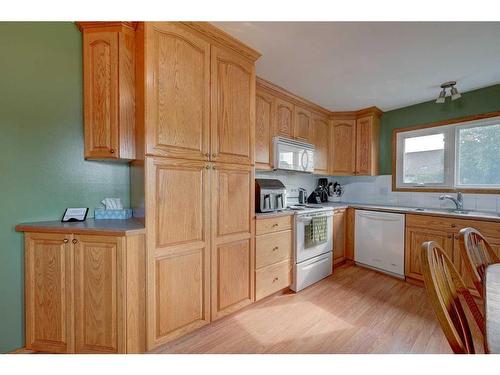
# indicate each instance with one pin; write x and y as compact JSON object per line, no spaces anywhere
{"x":293,"y":155}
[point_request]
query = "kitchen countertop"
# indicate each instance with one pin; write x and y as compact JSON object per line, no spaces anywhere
{"x":472,"y":214}
{"x":90,"y":226}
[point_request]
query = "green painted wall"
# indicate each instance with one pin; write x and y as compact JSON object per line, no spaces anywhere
{"x":42,"y":170}
{"x":472,"y":103}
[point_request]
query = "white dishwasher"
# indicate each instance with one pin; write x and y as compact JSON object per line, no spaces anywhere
{"x":379,"y":241}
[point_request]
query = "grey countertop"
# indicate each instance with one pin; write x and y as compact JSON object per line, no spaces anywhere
{"x":468,"y":214}
{"x":89,"y":226}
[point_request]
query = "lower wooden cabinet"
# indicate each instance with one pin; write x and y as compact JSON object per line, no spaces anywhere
{"x":49,"y":292}
{"x":273,"y":255}
{"x":414,"y":238}
{"x":339,"y":235}
{"x":443,"y":230}
{"x":84,"y":293}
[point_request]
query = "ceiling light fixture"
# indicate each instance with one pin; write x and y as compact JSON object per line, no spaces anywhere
{"x":453,"y":91}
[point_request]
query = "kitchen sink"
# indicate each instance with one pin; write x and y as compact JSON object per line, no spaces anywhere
{"x":455,"y":211}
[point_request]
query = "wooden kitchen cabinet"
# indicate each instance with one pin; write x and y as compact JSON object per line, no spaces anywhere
{"x":367,"y":145}
{"x":355,"y":143}
{"x":99,"y":303}
{"x":232,"y":239}
{"x":339,"y":235}
{"x":49,"y":292}
{"x":273,"y":254}
{"x":178,"y":94}
{"x":413,"y":248}
{"x":84,"y":292}
{"x":285,"y":118}
{"x":109,"y":89}
{"x":343,"y":147}
{"x":321,"y":140}
{"x":264,"y":130}
{"x":350,"y":222}
{"x":178,"y":247}
{"x":232,"y":107}
{"x":302,"y":125}
{"x":444,"y":230}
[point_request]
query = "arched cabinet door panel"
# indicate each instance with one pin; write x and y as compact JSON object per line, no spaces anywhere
{"x":177,"y":92}
{"x":232,"y":108}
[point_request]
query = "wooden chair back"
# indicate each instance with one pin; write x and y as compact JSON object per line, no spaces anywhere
{"x":444,"y":286}
{"x":477,"y":254}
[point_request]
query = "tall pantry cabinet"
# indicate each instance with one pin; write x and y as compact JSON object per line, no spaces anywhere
{"x":196,"y":124}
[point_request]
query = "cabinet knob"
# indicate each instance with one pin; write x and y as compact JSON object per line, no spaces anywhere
{"x":275,"y":225}
{"x":213,"y":167}
{"x":65,"y":240}
{"x":450,"y":236}
{"x":453,"y":225}
{"x":111,"y":151}
{"x":207,"y":166}
{"x":275,"y":248}
{"x":74,"y":241}
{"x":457,"y":237}
{"x":207,"y":155}
{"x":275,"y":279}
{"x":214,"y":155}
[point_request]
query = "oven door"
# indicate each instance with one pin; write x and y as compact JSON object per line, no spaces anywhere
{"x":304,"y":251}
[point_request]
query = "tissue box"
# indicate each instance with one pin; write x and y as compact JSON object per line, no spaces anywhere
{"x":123,"y":214}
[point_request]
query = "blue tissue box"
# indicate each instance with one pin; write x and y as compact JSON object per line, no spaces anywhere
{"x":101,"y":214}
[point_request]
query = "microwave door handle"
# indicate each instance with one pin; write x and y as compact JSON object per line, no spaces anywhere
{"x":304,"y":166}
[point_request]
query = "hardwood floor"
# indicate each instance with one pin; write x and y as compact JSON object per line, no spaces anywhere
{"x":356,"y":310}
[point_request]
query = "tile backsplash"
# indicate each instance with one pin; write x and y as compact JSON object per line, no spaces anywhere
{"x":378,"y":190}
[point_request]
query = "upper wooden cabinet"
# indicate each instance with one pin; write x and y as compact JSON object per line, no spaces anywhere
{"x":109,"y":89}
{"x":303,"y":121}
{"x":355,"y":143}
{"x":285,"y":114}
{"x":233,"y":107}
{"x":177,"y":62}
{"x":264,"y":130}
{"x":367,"y":145}
{"x":343,"y":147}
{"x":199,"y":94}
{"x":321,"y":140}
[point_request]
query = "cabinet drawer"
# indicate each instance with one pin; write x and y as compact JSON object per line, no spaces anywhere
{"x":488,"y":229}
{"x":273,"y":224}
{"x":431,"y":222}
{"x":273,"y":278}
{"x":273,"y":247}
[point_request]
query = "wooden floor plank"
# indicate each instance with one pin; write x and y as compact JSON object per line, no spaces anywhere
{"x":356,"y":310}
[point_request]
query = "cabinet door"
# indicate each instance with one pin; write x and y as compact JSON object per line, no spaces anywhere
{"x":264,"y":131}
{"x":303,"y":121}
{"x":100,"y":69}
{"x":413,"y":248}
{"x":339,"y":230}
{"x":232,"y":238}
{"x":232,"y":108}
{"x":99,"y":293}
{"x":178,"y":285}
{"x":366,"y":145}
{"x":321,"y":131}
{"x":460,"y":265}
{"x":284,"y":114}
{"x":49,"y":292}
{"x":343,"y":147}
{"x":177,"y":93}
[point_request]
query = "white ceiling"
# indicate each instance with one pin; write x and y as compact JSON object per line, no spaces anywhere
{"x":353,"y":65}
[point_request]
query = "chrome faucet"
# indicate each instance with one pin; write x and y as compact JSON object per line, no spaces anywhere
{"x":459,"y":200}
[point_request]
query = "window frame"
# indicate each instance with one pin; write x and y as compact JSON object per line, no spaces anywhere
{"x":450,"y":128}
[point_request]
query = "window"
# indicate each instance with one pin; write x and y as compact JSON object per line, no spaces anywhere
{"x":458,"y":156}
